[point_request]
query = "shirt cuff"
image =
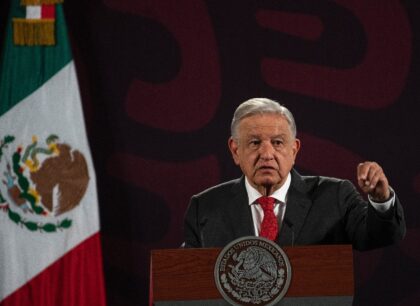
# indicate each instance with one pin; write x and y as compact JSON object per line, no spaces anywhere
{"x":383,"y":207}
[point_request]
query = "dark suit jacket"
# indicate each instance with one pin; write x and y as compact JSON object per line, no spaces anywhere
{"x":319,"y":210}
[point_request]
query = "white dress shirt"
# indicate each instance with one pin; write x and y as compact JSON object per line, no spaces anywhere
{"x":280,"y":195}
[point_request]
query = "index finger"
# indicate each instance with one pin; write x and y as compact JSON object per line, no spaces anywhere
{"x":363,"y":170}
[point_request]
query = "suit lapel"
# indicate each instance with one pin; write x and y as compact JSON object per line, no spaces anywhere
{"x":240,"y":211}
{"x":297,"y":208}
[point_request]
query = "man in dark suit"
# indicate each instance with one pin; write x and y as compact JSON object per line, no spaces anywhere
{"x":274,"y":201}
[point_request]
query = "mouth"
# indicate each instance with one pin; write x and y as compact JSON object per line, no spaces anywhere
{"x":266,"y":168}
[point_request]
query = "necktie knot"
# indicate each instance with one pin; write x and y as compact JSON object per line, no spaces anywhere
{"x":267,"y":203}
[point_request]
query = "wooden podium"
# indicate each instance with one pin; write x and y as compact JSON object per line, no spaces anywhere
{"x":321,"y":275}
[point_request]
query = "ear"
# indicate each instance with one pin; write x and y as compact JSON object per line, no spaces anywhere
{"x":296,"y":147}
{"x":233,"y":147}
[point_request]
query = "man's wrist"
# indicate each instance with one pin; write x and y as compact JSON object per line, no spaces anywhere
{"x":383,"y":206}
{"x":379,"y":201}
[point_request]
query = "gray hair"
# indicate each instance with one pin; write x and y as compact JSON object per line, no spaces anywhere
{"x":259,"y":106}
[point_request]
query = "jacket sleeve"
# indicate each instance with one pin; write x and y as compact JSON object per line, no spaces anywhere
{"x":191,"y":228}
{"x":365,"y":226}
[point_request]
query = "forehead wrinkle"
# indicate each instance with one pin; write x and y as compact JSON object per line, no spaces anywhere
{"x":260,"y":132}
{"x":262,"y":127}
{"x":252,"y":135}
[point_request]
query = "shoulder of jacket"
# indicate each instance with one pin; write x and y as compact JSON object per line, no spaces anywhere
{"x":219,"y":188}
{"x":312,"y":182}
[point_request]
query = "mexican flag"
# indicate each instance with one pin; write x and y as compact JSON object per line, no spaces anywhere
{"x":50,"y":251}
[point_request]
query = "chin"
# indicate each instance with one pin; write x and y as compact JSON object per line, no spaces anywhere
{"x":267,"y":182}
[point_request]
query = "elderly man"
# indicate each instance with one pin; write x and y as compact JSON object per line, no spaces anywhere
{"x":273,"y":200}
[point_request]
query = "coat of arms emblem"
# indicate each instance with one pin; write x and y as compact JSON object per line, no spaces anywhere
{"x":40,"y":182}
{"x":252,"y":271}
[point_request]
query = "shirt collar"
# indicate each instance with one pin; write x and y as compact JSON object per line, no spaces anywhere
{"x":279,"y":194}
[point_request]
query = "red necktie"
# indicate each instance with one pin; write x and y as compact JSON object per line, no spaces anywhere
{"x":269,"y":225}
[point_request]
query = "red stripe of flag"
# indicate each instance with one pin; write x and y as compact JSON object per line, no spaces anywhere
{"x":48,"y":11}
{"x":74,"y":279}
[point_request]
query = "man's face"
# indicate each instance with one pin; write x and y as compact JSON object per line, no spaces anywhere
{"x":265,"y":150}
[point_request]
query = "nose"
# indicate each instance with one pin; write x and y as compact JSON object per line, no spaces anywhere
{"x":266,"y":150}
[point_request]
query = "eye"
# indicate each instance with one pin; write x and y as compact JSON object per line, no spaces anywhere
{"x":277,"y":142}
{"x":254,"y":143}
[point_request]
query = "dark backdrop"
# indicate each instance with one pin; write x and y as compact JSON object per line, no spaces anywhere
{"x":160,"y":80}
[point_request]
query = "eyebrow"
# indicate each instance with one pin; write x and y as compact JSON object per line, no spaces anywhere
{"x":259,"y":136}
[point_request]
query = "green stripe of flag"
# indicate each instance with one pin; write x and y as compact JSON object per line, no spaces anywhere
{"x":24,"y":69}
